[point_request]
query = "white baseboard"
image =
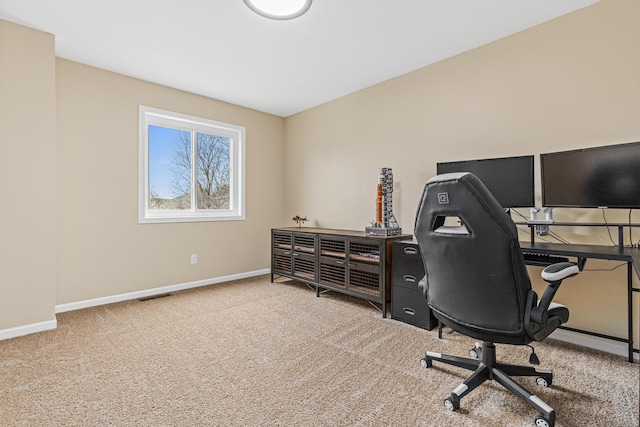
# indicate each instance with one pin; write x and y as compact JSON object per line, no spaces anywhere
{"x":19,"y":331}
{"x":596,"y":343}
{"x":583,"y":340}
{"x":61,"y":308}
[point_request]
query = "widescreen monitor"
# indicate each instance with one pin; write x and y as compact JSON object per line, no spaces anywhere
{"x":595,"y":177}
{"x":510,"y":179}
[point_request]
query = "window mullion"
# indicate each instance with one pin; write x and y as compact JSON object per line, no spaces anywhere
{"x":232,"y":172}
{"x":146,"y":189}
{"x":194,"y":170}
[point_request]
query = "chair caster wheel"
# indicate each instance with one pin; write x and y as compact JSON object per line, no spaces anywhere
{"x":544,"y":381}
{"x":426,"y":363}
{"x":475,"y":352}
{"x":541,"y":421}
{"x":451,"y":405}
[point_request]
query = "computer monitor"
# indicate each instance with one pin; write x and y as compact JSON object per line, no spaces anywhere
{"x":596,"y":177}
{"x":510,"y":179}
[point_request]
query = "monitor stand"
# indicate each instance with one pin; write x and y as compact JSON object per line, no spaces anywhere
{"x":542,"y":225}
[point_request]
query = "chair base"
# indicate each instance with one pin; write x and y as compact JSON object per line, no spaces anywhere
{"x":486,"y":368}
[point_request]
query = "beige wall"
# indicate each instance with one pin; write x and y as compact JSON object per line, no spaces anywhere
{"x":569,"y":83}
{"x":69,"y":150}
{"x":27,"y":177}
{"x":68,"y":141}
{"x":102,"y":250}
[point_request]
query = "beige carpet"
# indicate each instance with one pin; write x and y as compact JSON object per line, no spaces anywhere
{"x":252,"y":353}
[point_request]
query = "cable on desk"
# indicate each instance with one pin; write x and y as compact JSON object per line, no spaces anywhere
{"x":519,"y":214}
{"x":558,"y":238}
{"x":630,"y":233}
{"x":606,"y":269}
{"x":607,"y":227}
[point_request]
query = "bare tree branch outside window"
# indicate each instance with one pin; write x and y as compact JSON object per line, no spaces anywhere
{"x":213,"y":174}
{"x":190,"y":168}
{"x":181,"y":170}
{"x":213,"y":171}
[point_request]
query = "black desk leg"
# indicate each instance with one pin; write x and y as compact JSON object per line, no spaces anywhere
{"x":630,"y":308}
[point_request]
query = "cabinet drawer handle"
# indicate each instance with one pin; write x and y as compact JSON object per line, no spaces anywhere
{"x":352,"y":264}
{"x":410,"y":279}
{"x":340,"y":262}
{"x":296,"y":255}
{"x":287,"y":252}
{"x":410,"y":251}
{"x":409,"y":311}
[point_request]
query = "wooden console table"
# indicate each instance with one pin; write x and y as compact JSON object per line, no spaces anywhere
{"x":349,"y":262}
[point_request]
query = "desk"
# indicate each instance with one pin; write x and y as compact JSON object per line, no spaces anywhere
{"x":635,"y":257}
{"x":629,"y":255}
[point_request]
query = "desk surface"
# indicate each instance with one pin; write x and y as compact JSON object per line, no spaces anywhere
{"x":588,"y":251}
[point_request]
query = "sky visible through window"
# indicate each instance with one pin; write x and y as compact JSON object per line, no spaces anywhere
{"x":163,"y":143}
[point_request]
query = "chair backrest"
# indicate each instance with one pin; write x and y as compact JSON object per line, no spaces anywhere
{"x":476,"y":278}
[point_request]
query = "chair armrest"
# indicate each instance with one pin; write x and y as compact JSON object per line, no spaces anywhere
{"x":554,"y":275}
{"x":559,"y":271}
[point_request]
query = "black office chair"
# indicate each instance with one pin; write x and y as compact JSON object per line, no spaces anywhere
{"x":477,"y":284}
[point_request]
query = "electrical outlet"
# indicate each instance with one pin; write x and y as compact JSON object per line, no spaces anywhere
{"x":194,"y":259}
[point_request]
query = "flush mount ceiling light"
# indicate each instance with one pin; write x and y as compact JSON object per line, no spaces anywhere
{"x":279,"y":9}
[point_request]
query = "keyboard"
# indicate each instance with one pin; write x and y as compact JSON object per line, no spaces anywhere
{"x":542,"y":259}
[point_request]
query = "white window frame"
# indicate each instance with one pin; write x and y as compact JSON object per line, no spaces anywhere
{"x":154,"y":116}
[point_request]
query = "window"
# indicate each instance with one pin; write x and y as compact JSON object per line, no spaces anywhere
{"x":191,"y":169}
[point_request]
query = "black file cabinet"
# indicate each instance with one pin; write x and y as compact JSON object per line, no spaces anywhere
{"x":407,"y":300}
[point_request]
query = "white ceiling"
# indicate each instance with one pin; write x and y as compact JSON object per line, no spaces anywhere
{"x":221,"y":49}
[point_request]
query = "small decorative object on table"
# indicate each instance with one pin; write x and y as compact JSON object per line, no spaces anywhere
{"x":385,"y":223}
{"x":299,"y":220}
